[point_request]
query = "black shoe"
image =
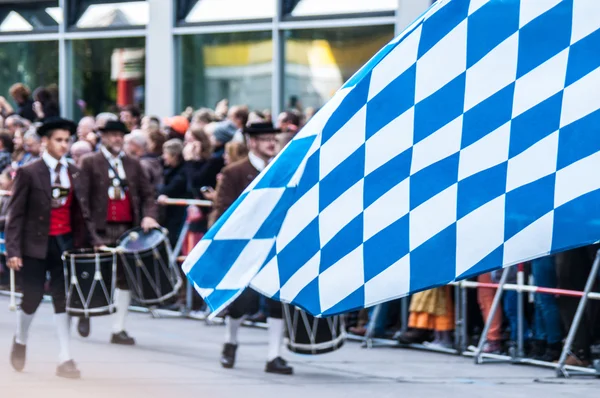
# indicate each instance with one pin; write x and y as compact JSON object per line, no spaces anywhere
{"x":538,"y":349}
{"x":68,"y":370}
{"x":259,"y":317}
{"x":552,"y":353}
{"x":279,"y":366}
{"x":228,"y":355}
{"x":122,"y":338}
{"x":17,"y":355}
{"x":83,"y":327}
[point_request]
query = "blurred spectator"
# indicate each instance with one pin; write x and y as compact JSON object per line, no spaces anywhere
{"x":156,"y":141}
{"x":44,"y":106}
{"x":202,"y":117}
{"x":176,"y":126}
{"x":80,"y":149}
{"x":289,"y":123}
{"x":18,"y":151}
{"x":485,"y":297}
{"x":104,"y":117}
{"x":234,"y":151}
{"x":547,"y":327}
{"x":32,"y":145}
{"x":85,"y":127}
{"x":6,"y":146}
{"x":309,"y":113}
{"x":14,"y":122}
{"x":5,"y":109}
{"x":6,"y":183}
{"x":174,"y":186}
{"x":150,"y":124}
{"x":136,"y":146}
{"x":22,"y":97}
{"x":131,"y":116}
{"x":430,"y":311}
{"x":237,"y":119}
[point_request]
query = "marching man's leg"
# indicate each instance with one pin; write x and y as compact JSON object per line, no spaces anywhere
{"x":67,"y":367}
{"x":33,"y":276}
{"x":275,"y":363}
{"x":122,"y":302}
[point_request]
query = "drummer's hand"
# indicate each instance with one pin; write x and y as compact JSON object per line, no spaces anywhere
{"x":100,"y":248}
{"x":148,"y":223}
{"x":162,"y":199}
{"x":15,"y":263}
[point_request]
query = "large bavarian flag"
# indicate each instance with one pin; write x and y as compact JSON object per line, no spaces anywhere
{"x":468,"y":143}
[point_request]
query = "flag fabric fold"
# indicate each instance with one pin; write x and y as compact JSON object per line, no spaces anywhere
{"x":469,"y":143}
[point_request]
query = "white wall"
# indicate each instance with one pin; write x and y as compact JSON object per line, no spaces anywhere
{"x":160,"y":60}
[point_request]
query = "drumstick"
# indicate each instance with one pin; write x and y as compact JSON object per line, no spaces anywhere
{"x":13,"y":299}
{"x":188,"y":202}
{"x":112,"y":249}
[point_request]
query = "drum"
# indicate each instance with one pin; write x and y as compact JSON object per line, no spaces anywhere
{"x":90,"y":281}
{"x":306,"y":334}
{"x":149,"y":266}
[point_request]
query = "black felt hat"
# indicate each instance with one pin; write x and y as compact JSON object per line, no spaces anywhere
{"x":261,"y":128}
{"x":115,"y":125}
{"x":55,"y":123}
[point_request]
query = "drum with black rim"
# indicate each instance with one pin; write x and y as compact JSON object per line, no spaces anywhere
{"x":90,"y":282}
{"x":306,"y":334}
{"x":149,"y":265}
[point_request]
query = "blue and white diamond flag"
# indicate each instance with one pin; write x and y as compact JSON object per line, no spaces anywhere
{"x":468,"y":143}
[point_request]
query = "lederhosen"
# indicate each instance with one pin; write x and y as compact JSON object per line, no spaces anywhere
{"x":119,"y":217}
{"x":60,"y":239}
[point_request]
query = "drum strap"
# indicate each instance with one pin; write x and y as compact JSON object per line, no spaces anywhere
{"x":123,"y":183}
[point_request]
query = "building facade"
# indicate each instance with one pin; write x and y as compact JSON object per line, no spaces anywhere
{"x":167,"y":55}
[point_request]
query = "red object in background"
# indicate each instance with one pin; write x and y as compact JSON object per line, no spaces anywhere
{"x":125,"y":92}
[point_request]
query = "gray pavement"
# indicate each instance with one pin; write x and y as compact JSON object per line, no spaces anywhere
{"x":179,"y":357}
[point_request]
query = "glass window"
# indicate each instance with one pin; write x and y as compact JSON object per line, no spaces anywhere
{"x":206,"y":11}
{"x":236,"y":66}
{"x":34,"y":64}
{"x":319,"y":61}
{"x":312,"y":8}
{"x":30,"y":16}
{"x":94,"y":14}
{"x":107,"y":74}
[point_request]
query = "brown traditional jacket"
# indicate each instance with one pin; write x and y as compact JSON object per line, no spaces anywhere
{"x":94,"y":168}
{"x":28,"y":219}
{"x":235,"y":178}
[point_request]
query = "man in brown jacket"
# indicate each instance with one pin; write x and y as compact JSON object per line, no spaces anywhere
{"x":120,"y":199}
{"x":235,"y":178}
{"x":46,"y":212}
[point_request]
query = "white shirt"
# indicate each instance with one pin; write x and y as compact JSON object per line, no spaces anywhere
{"x":115,"y":161}
{"x":257,"y":162}
{"x":51,"y":162}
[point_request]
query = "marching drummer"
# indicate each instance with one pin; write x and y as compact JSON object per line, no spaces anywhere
{"x":120,"y":198}
{"x":47,"y":211}
{"x":262,"y":145}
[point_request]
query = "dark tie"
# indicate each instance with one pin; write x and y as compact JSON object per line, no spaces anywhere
{"x":57,"y":170}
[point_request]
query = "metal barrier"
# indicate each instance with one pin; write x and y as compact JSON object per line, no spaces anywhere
{"x":370,"y":341}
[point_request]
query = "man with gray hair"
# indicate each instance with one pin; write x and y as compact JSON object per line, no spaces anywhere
{"x":32,"y":145}
{"x":85,"y":126}
{"x":79,"y":149}
{"x":14,"y":122}
{"x":136,"y":146}
{"x":104,"y":117}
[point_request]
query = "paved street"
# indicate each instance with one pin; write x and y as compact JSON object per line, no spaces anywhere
{"x":178,"y":358}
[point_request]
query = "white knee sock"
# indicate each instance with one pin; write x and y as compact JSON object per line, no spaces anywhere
{"x":64,"y":336}
{"x":23,"y":323}
{"x":275,"y":337}
{"x":122,"y":301}
{"x":231,"y":329}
